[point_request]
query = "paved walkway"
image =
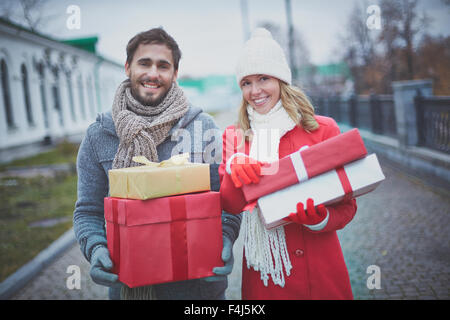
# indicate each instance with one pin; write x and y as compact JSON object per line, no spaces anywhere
{"x":402,"y":228}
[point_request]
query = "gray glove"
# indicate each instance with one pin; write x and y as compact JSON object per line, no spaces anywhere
{"x":100,"y":264}
{"x":228,"y":259}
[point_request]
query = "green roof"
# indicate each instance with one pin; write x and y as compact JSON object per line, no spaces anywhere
{"x":209,"y":82}
{"x":88,"y":44}
{"x":332,"y":69}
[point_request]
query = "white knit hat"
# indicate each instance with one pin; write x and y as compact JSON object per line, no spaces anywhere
{"x":263,"y":55}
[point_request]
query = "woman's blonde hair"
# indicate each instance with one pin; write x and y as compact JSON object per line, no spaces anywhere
{"x":294,"y":101}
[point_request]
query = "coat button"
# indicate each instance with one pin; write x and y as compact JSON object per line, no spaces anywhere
{"x":299,"y":252}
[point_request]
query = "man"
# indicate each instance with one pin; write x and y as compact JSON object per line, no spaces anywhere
{"x":148,"y":113}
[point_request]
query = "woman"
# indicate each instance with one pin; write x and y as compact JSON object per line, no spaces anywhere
{"x":301,"y":260}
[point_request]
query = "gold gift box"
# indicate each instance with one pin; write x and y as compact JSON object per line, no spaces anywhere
{"x":154,"y":180}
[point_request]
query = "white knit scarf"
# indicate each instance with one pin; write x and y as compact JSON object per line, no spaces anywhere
{"x":266,"y":250}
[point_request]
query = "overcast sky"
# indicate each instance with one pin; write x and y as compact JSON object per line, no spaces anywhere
{"x":210,"y":32}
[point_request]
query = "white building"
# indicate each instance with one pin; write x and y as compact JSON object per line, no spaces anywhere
{"x":50,"y":90}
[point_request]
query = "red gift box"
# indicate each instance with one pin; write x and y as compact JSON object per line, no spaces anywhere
{"x":166,"y":239}
{"x":307,"y":163}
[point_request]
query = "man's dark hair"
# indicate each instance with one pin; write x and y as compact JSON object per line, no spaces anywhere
{"x":154,"y":36}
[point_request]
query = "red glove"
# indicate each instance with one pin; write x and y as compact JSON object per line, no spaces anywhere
{"x":246,"y":169}
{"x":312,"y":216}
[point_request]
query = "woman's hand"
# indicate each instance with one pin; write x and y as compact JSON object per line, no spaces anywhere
{"x":313,"y":215}
{"x":245,"y":170}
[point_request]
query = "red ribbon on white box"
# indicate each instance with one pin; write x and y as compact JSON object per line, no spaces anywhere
{"x":299,"y":165}
{"x":346,"y":185}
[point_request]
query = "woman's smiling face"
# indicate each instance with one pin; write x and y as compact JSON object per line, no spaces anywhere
{"x":262,"y":92}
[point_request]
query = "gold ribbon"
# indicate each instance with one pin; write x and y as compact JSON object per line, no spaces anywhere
{"x":176,"y":160}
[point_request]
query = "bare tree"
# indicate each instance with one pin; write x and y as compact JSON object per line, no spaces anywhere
{"x":7,"y":9}
{"x":402,"y":24}
{"x":301,"y":54}
{"x":360,"y":36}
{"x":432,"y":61}
{"x":411,"y":25}
{"x":277,"y":33}
{"x":389,"y":38}
{"x":378,"y":58}
{"x":31,"y":13}
{"x":359,"y":45}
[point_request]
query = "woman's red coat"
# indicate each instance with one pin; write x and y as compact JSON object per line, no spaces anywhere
{"x":318,"y":267}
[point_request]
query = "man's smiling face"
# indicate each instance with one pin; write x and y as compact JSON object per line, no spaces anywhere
{"x":152,"y":73}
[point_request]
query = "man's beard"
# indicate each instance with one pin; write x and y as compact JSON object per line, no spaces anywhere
{"x":146,"y":101}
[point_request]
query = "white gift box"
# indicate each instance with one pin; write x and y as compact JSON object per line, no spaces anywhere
{"x":363,"y":175}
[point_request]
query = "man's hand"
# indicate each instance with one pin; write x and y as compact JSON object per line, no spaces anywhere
{"x":228,"y":259}
{"x":100,"y":265}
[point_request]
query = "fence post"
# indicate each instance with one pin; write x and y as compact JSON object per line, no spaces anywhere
{"x":375,"y":113}
{"x":325,"y":107}
{"x":320,"y":106}
{"x":418,"y":104}
{"x":405,"y":111}
{"x":352,"y":110}
{"x":336,"y":107}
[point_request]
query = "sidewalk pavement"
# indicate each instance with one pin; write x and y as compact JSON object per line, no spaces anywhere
{"x":401,"y":232}
{"x":403,"y":228}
